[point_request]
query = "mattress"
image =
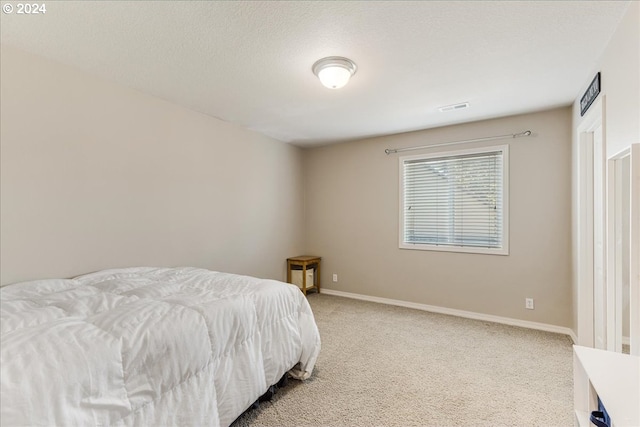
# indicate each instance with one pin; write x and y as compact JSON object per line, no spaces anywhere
{"x":148,"y":346}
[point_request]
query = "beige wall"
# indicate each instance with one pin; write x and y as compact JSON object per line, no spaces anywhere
{"x":94,"y":175}
{"x":620,"y":93}
{"x":352,"y":222}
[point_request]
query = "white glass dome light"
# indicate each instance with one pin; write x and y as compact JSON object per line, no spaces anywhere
{"x":334,"y":71}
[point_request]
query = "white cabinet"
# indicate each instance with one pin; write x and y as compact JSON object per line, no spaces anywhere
{"x":614,"y":378}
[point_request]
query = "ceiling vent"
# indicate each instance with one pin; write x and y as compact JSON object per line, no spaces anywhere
{"x":460,"y":106}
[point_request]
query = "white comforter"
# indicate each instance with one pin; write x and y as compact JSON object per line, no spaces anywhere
{"x":147,"y":346}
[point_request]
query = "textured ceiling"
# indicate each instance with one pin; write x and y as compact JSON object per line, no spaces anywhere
{"x":250,"y":62}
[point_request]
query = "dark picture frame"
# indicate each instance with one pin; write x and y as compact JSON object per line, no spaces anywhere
{"x":590,"y":94}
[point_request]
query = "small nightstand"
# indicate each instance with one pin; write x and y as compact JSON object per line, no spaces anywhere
{"x":305,"y":262}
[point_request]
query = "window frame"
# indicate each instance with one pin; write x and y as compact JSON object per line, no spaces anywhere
{"x":504,"y":250}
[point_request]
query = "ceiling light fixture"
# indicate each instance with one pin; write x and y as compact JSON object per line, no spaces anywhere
{"x":334,"y":71}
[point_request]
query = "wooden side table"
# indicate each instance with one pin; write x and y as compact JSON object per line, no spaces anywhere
{"x":305,"y":261}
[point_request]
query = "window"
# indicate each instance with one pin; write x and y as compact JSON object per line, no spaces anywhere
{"x":455,"y":201}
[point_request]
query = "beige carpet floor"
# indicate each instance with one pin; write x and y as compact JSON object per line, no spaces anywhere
{"x":382,"y":365}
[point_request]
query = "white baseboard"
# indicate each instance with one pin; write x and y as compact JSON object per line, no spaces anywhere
{"x":573,"y":336}
{"x":460,"y":313}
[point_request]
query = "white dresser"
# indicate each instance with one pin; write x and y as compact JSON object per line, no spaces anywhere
{"x":614,"y":378}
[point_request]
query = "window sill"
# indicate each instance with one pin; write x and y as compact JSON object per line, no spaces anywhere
{"x":461,"y":249}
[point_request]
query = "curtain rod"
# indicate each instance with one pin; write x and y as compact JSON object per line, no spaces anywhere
{"x":486,"y":138}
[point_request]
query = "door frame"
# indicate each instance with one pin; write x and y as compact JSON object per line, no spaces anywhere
{"x":634,"y":255}
{"x":614,"y":263}
{"x":585,"y":239}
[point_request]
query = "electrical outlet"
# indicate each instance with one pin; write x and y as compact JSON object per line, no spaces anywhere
{"x":528,"y":303}
{"x":335,"y":277}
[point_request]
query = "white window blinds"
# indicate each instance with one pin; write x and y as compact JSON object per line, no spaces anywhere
{"x":454,"y":200}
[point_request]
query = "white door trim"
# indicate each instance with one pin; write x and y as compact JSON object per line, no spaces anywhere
{"x":614,"y":248}
{"x":593,"y":120}
{"x":634,"y":259}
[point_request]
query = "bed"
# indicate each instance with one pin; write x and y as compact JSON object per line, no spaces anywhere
{"x":148,"y":346}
